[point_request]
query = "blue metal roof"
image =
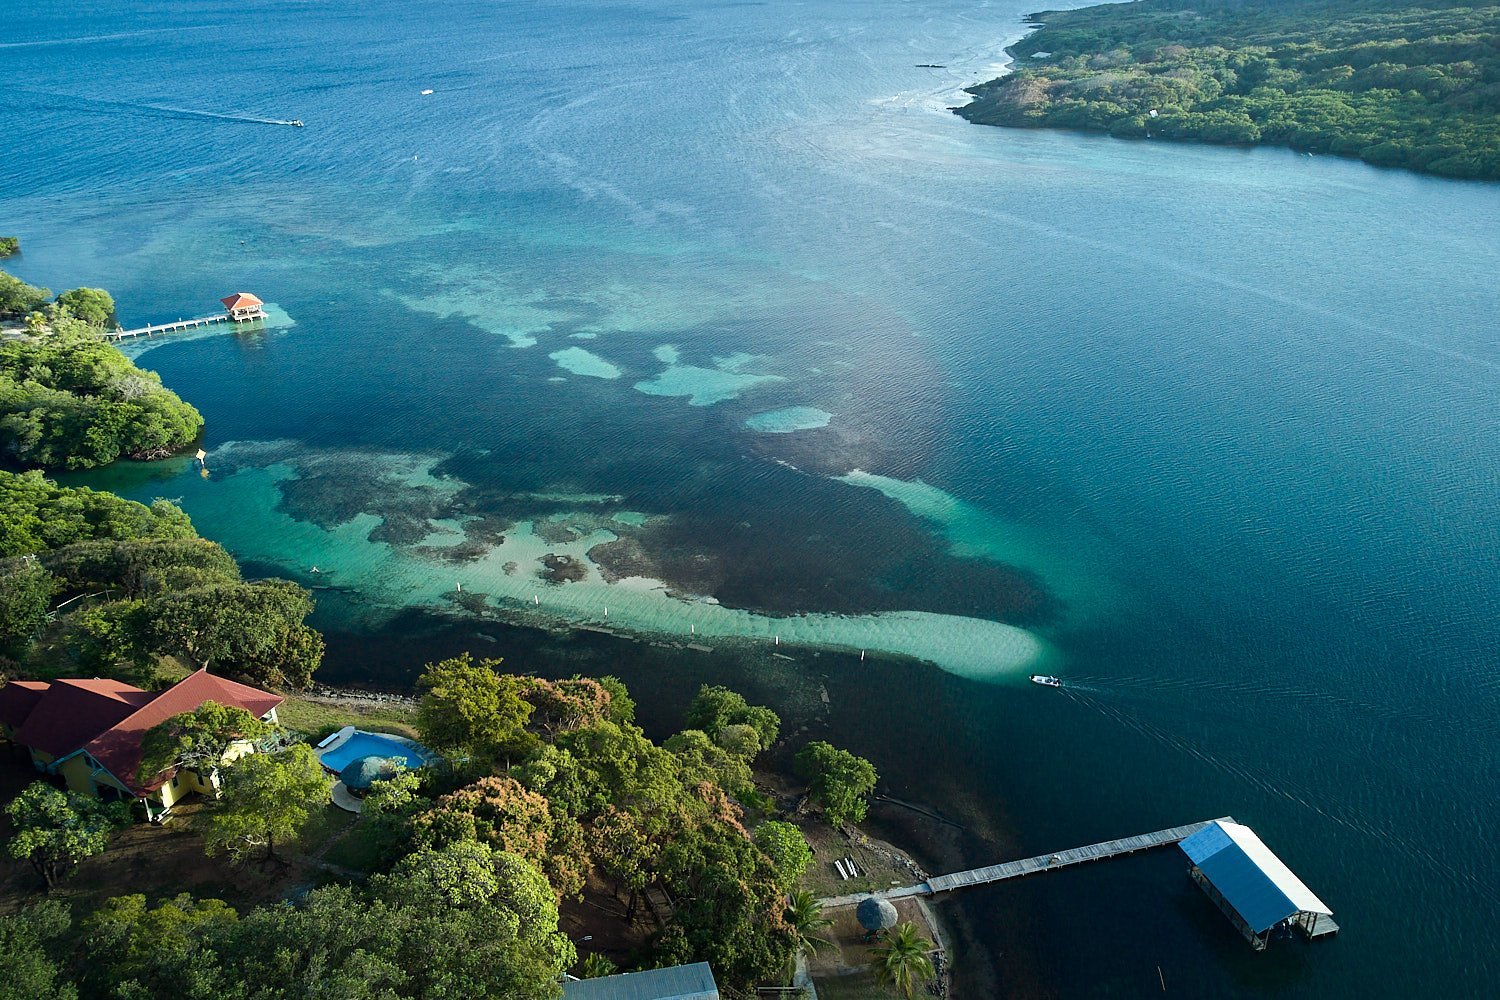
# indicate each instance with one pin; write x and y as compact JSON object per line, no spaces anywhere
{"x":680,"y":982}
{"x":1262,"y":890}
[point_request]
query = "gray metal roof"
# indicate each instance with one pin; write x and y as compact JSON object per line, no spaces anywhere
{"x":1262,"y":890}
{"x":680,"y":982}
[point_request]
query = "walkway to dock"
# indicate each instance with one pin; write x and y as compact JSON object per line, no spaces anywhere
{"x":149,"y":330}
{"x":1028,"y":866}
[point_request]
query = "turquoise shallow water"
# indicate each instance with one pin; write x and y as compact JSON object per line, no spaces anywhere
{"x":1211,"y":432}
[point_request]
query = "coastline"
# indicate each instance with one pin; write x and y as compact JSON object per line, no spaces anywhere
{"x":1116,"y":84}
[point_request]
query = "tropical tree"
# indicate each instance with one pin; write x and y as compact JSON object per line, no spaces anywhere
{"x":715,"y":708}
{"x":253,"y":630}
{"x":470,"y":708}
{"x":17,"y":298}
{"x":805,"y":917}
{"x":265,"y":797}
{"x":784,"y":844}
{"x":56,"y":830}
{"x":901,"y":960}
{"x":839,"y":781}
{"x":596,"y":966}
{"x":504,"y":814}
{"x":395,"y":794}
{"x":28,"y":969}
{"x":621,"y":706}
{"x":94,"y":306}
{"x":138,"y":950}
{"x":198,"y":739}
{"x":25,"y":601}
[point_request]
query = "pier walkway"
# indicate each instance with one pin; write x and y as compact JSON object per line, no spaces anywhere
{"x":150,"y":329}
{"x":1028,"y":866}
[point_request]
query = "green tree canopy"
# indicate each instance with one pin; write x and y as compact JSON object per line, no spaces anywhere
{"x":839,"y":781}
{"x":198,"y":739}
{"x":17,"y":298}
{"x":787,"y":850}
{"x":901,"y":959}
{"x":144,"y":951}
{"x":1393,"y":82}
{"x":56,"y":830}
{"x":25,"y":601}
{"x":715,"y":709}
{"x":37,"y":515}
{"x":31,"y":942}
{"x":470,"y":708}
{"x":251,"y":630}
{"x":70,"y":400}
{"x":265,"y":798}
{"x":94,"y":306}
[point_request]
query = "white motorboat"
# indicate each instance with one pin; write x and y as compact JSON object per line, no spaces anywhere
{"x":1046,"y":680}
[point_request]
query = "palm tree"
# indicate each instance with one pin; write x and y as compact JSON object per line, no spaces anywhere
{"x":805,"y":917}
{"x":595,"y":965}
{"x":903,"y":960}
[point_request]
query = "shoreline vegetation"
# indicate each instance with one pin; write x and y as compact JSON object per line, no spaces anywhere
{"x":552,"y":819}
{"x":1395,"y":83}
{"x":68,"y":398}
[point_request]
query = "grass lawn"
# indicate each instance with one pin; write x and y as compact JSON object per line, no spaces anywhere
{"x":317,"y":717}
{"x":859,"y":986}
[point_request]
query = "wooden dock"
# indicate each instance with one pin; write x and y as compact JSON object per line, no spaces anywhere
{"x":1029,"y":866}
{"x":152,"y":329}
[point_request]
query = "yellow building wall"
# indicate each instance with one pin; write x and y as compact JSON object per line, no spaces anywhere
{"x":75,"y":771}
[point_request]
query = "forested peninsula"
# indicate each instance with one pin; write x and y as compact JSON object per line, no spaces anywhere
{"x":1392,"y":82}
{"x":68,"y":398}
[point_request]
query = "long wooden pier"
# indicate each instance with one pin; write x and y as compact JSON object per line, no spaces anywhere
{"x":1029,"y":866}
{"x":151,"y":329}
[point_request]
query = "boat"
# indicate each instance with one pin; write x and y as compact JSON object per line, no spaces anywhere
{"x":297,"y":122}
{"x":426,"y":92}
{"x":1046,"y":680}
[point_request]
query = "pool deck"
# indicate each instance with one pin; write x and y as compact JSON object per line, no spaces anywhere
{"x":346,"y":800}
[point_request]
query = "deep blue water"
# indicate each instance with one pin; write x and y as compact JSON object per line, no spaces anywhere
{"x":1217,"y":426}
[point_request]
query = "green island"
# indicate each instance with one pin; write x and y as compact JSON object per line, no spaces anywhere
{"x":68,"y":398}
{"x":173,"y":825}
{"x":1393,"y":82}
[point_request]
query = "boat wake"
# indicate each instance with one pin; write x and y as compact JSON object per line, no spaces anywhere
{"x":165,"y":109}
{"x":1282,"y":788}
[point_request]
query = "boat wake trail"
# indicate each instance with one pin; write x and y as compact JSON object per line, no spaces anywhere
{"x":138,"y":107}
{"x":1287,"y":790}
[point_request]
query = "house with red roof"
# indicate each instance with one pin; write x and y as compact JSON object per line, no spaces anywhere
{"x":90,"y":732}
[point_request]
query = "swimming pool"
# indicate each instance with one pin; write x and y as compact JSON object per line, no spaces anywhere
{"x":349,"y":744}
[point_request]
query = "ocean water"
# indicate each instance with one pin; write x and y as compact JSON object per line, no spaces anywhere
{"x":711,"y":316}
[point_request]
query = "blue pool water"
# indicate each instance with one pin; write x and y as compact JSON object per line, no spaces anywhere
{"x":370,"y":745}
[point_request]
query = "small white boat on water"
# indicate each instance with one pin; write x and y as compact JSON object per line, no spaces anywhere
{"x":426,"y":92}
{"x":295,"y":122}
{"x":1046,"y":680}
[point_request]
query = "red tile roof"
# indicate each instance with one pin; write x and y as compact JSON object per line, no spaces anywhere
{"x":72,"y":712}
{"x":240,"y":300}
{"x":18,"y":698}
{"x":109,"y":719}
{"x":119,"y":747}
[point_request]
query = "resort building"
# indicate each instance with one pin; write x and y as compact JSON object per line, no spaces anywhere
{"x":89,"y":733}
{"x":680,"y":982}
{"x":243,"y":306}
